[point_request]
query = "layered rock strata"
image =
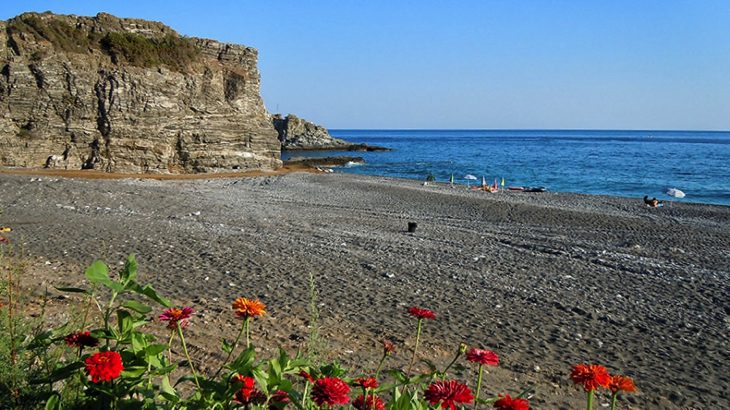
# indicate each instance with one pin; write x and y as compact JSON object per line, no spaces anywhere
{"x":128,"y":95}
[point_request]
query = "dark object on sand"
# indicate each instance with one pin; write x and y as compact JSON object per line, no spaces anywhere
{"x":654,"y":203}
{"x":535,"y":189}
{"x":412,"y":227}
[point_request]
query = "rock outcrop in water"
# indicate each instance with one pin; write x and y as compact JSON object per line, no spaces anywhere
{"x":128,"y":95}
{"x":298,"y":134}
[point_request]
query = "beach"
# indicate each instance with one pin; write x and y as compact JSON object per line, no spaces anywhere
{"x":546,"y":280}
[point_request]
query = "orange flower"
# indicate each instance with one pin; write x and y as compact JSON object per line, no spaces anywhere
{"x":591,"y":376}
{"x":388,"y":347}
{"x":622,"y":383}
{"x":246,"y":308}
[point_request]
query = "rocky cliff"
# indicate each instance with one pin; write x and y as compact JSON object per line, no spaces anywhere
{"x":128,"y":95}
{"x":297,"y":134}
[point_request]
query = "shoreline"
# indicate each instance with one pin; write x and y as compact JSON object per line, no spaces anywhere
{"x":546,"y":280}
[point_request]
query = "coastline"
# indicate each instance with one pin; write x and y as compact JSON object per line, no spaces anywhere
{"x":545,"y":279}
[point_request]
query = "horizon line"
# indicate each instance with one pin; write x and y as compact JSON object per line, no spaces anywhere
{"x":528,"y":129}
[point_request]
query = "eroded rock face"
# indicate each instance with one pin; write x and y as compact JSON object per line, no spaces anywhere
{"x":70,"y":97}
{"x":296,"y":133}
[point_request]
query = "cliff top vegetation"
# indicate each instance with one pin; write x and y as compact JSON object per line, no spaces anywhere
{"x":28,"y":32}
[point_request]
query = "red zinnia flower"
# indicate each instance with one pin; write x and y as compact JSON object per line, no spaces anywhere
{"x":372,"y":403}
{"x":421,"y":313}
{"x":330,"y":390}
{"x":104,"y":366}
{"x":622,"y":383}
{"x":508,"y":403}
{"x":81,"y":339}
{"x":173,"y":316}
{"x":486,"y":357}
{"x":4,"y":239}
{"x":366,"y":382}
{"x":246,"y":308}
{"x":448,"y":393}
{"x":247,"y":394}
{"x":591,"y":376}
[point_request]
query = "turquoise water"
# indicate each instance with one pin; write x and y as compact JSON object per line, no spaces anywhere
{"x":624,"y":163}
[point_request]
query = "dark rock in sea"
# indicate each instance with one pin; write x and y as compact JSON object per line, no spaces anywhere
{"x":297,"y":134}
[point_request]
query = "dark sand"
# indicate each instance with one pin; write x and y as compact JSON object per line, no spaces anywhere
{"x":546,"y":280}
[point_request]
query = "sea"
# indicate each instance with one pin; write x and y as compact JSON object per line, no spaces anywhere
{"x":621,"y":163}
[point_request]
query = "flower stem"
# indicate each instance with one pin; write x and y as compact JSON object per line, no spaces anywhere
{"x":247,"y":325}
{"x":187,"y":356}
{"x":169,"y":346}
{"x":415,"y":348}
{"x":479,"y":386}
{"x":590,"y":400}
{"x":614,"y":396}
{"x":235,"y":344}
{"x":380,"y":365}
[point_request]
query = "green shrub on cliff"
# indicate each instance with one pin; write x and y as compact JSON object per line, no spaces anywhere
{"x":60,"y":34}
{"x":171,"y":51}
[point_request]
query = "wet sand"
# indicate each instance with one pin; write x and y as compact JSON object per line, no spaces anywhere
{"x":546,"y":280}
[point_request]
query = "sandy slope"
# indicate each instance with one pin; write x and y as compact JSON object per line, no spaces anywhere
{"x":546,"y":280}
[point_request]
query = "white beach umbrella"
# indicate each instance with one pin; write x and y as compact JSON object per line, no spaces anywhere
{"x":469,"y":177}
{"x":674,"y":192}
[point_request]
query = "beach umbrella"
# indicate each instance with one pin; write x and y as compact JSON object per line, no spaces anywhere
{"x":484,"y":182}
{"x":674,"y":192}
{"x":452,"y":179}
{"x":469,"y":177}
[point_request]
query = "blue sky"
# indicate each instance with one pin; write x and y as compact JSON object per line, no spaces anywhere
{"x":468,"y":64}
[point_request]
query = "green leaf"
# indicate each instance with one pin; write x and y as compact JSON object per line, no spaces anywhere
{"x":139,"y":342}
{"x":137,"y":307}
{"x":60,"y":373}
{"x":54,"y":402}
{"x":71,"y":290}
{"x":154,"y":350}
{"x":150,"y":292}
{"x":125,"y":322}
{"x":133,"y":371}
{"x":98,"y":273}
{"x":227,"y":347}
{"x":129,"y":273}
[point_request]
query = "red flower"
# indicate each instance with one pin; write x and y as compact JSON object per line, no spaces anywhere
{"x":388,"y":347}
{"x":485,"y":357}
{"x":4,"y":239}
{"x":508,"y":403}
{"x":104,"y":366}
{"x":421,"y":313}
{"x":246,"y":308}
{"x":373,"y":403}
{"x":176,"y":315}
{"x":622,"y":383}
{"x":81,"y":339}
{"x":330,"y":390}
{"x":448,"y":393}
{"x":366,"y":382}
{"x":591,"y":376}
{"x":307,"y":376}
{"x":247,"y":394}
{"x":279,"y":400}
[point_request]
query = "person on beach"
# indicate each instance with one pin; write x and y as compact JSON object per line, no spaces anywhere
{"x":654,"y":203}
